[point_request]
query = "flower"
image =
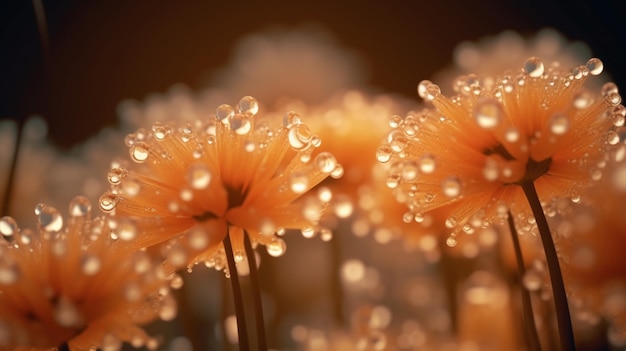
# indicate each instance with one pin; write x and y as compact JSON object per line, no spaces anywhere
{"x":471,"y":151}
{"x":76,"y":285}
{"x":230,"y":175}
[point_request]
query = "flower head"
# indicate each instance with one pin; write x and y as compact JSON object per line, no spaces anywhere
{"x":76,"y":285}
{"x":195,"y":183}
{"x":471,"y":151}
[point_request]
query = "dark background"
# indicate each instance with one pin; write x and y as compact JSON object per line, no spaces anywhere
{"x":101,"y":52}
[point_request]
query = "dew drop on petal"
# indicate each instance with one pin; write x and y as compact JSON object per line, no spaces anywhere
{"x":613,"y":99}
{"x":343,"y":206}
{"x":532,"y":280}
{"x":582,"y":100}
{"x":451,"y":241}
{"x":108,"y":201}
{"x":248,"y":105}
{"x":126,"y":230}
{"x":325,"y":162}
{"x":395,"y":121}
{"x":224,"y":112}
{"x":159,"y":130}
{"x":337,"y":172}
{"x":139,"y":152}
{"x":609,"y":88}
{"x":116,"y":175}
{"x":8,"y":226}
{"x":595,"y":66}
{"x":198,"y":239}
{"x":534,"y":67}
{"x":308,"y":232}
{"x":421,"y":88}
{"x":612,"y":137}
{"x":451,"y":187}
{"x":511,"y":135}
{"x":324,"y":194}
{"x":432,"y":92}
{"x":559,"y":124}
{"x":240,"y":124}
{"x":488,"y":113}
{"x":298,"y":182}
{"x":410,"y":171}
{"x":291,"y":118}
{"x":79,"y":206}
{"x":383,"y":154}
{"x":276,"y":247}
{"x":198,"y":176}
{"x":49,"y":218}
{"x":131,"y":186}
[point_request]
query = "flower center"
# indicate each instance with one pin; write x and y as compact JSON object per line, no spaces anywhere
{"x":236,"y":197}
{"x":534,"y":170}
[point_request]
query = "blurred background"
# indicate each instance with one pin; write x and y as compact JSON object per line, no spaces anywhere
{"x":96,"y":53}
{"x":85,"y":65}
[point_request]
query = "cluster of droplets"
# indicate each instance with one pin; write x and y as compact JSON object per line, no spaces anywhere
{"x":517,"y":122}
{"x":83,"y":249}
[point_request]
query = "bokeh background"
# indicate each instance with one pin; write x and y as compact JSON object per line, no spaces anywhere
{"x":100,"y":52}
{"x":88,"y":56}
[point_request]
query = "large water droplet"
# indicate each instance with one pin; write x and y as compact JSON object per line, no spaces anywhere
{"x":595,"y":66}
{"x":299,"y":136}
{"x":421,"y":88}
{"x":116,"y":175}
{"x":383,"y":154}
{"x":80,"y":206}
{"x":325,"y":162}
{"x":159,"y":130}
{"x":49,"y":218}
{"x":8,"y":226}
{"x":534,"y":67}
{"x":240,"y":124}
{"x":276,"y":247}
{"x":488,"y":113}
{"x":108,"y":201}
{"x":248,"y":105}
{"x":198,"y":176}
{"x":224,"y":112}
{"x":559,"y":124}
{"x":139,"y":152}
{"x":290,"y":119}
{"x":432,"y":92}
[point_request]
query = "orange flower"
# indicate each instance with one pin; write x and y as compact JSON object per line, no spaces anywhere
{"x":468,"y":154}
{"x":75,"y":285}
{"x":232,"y":174}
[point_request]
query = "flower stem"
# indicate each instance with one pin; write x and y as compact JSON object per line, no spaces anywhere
{"x":242,"y":330}
{"x":527,"y":307}
{"x":564,"y":322}
{"x":256,"y":294}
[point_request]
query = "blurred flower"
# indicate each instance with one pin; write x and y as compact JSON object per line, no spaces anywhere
{"x":467,"y":154}
{"x":494,"y":54}
{"x":230,"y":175}
{"x":76,"y":285}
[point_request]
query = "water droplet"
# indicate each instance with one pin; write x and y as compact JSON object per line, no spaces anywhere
{"x":90,"y":264}
{"x":177,"y":256}
{"x":159,"y":130}
{"x":290,"y":119}
{"x":186,"y":195}
{"x":595,"y":66}
{"x":432,"y":92}
{"x":308,"y":232}
{"x":67,"y":314}
{"x":139,"y":152}
{"x":450,"y":222}
{"x":276,"y":247}
{"x":324,"y":194}
{"x":80,"y":206}
{"x":224,"y":112}
{"x":421,"y":88}
{"x":608,"y":88}
{"x":612,"y":137}
{"x":238,"y":256}
{"x":198,"y":176}
{"x":582,"y":100}
{"x":559,"y":124}
{"x":126,"y":230}
{"x":131,"y":186}
{"x":383,"y":154}
{"x":240,"y":124}
{"x":325,"y":162}
{"x":299,"y":136}
{"x":116,"y":175}
{"x":427,"y":164}
{"x":395,"y":121}
{"x":488,"y":113}
{"x":511,"y":135}
{"x":8,"y":226}
{"x":198,"y":239}
{"x":299,"y":182}
{"x":326,"y":234}
{"x":451,"y":241}
{"x":108,"y":201}
{"x":451,"y":187}
{"x":49,"y":218}
{"x":534,"y":67}
{"x":410,"y":171}
{"x":613,"y":99}
{"x":248,"y":105}
{"x":337,"y":172}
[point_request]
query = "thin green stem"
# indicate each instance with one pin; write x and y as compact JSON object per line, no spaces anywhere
{"x":564,"y":322}
{"x":256,"y":294}
{"x":529,"y":319}
{"x":242,"y":330}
